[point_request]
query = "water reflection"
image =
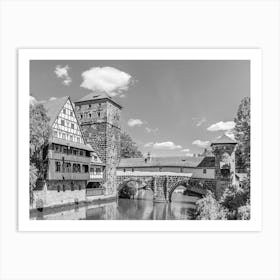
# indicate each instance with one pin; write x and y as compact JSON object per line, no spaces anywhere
{"x":124,"y":209}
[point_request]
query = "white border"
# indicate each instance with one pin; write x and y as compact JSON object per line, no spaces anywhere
{"x":254,"y":55}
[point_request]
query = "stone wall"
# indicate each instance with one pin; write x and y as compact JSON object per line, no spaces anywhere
{"x":50,"y":196}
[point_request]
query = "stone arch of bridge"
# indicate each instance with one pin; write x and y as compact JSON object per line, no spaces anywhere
{"x":187,"y":183}
{"x":145,"y":184}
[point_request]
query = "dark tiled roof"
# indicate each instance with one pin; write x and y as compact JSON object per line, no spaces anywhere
{"x":97,"y":96}
{"x":53,"y":107}
{"x":71,"y":144}
{"x":166,"y":161}
{"x":208,"y":161}
{"x":224,"y":139}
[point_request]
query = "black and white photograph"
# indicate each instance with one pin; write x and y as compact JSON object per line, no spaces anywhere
{"x":139,"y":140}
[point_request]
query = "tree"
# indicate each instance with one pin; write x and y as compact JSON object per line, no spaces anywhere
{"x":40,"y":132}
{"x":129,"y":148}
{"x":208,"y":208}
{"x":242,"y":132}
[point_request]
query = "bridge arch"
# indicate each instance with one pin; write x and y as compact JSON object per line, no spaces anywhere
{"x":188,"y":184}
{"x":145,"y":183}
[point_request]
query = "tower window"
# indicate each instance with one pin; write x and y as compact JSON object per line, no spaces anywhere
{"x":57,"y":166}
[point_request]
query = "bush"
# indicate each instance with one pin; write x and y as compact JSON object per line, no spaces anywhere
{"x":244,"y":212}
{"x":208,"y":208}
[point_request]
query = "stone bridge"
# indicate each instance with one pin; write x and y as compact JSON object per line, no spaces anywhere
{"x":163,"y":184}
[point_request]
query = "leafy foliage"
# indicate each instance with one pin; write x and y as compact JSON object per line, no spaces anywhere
{"x":242,"y":132}
{"x":208,"y":208}
{"x":129,"y":148}
{"x":243,"y":212}
{"x":128,"y":191}
{"x":40,"y":132}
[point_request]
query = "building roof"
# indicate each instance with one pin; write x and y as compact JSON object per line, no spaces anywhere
{"x":53,"y":107}
{"x":71,"y":144}
{"x":98,"y":96}
{"x":224,"y":139}
{"x":167,"y":161}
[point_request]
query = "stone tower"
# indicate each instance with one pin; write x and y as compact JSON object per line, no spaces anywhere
{"x":224,"y":150}
{"x":99,"y":116}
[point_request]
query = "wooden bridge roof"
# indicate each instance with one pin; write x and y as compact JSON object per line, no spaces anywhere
{"x":168,"y":162}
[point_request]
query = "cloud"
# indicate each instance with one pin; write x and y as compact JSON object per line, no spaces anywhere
{"x":52,"y":98}
{"x":151,"y":130}
{"x":199,"y":121}
{"x":32,"y":100}
{"x":186,"y":150}
{"x":221,"y":126}
{"x":108,"y":79}
{"x":230,"y":134}
{"x":134,"y":122}
{"x":163,"y":145}
{"x":189,"y":154}
{"x":62,"y":73}
{"x":201,"y":144}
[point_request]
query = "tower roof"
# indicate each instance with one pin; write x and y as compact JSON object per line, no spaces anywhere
{"x":95,"y":96}
{"x":224,"y":139}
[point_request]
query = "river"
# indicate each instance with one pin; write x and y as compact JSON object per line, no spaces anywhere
{"x":124,"y":209}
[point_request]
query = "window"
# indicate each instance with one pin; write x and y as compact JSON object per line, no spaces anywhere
{"x":68,"y":167}
{"x":75,"y":152}
{"x":98,"y":114}
{"x":85,"y":168}
{"x":89,"y":115}
{"x":81,"y":153}
{"x":204,"y":171}
{"x":91,"y":170}
{"x":54,"y":133}
{"x":63,"y":188}
{"x":124,"y":170}
{"x":63,"y":136}
{"x":132,"y":169}
{"x":64,"y":111}
{"x":71,"y":113}
{"x":71,"y":137}
{"x":98,"y":171}
{"x":65,"y":150}
{"x":80,"y":187}
{"x":58,"y":188}
{"x":72,"y":126}
{"x":81,"y":116}
{"x":76,"y":168}
{"x":78,"y":139}
{"x":72,"y":186}
{"x":63,"y":122}
{"x":57,"y":166}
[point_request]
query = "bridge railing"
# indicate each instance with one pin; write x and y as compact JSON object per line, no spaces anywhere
{"x":94,"y":191}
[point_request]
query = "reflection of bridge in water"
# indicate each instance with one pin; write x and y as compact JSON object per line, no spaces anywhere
{"x":163,"y":184}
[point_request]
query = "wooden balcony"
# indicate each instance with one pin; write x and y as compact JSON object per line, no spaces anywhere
{"x":72,"y":158}
{"x":94,"y":192}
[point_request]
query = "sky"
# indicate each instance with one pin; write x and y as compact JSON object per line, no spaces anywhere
{"x":170,"y":108}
